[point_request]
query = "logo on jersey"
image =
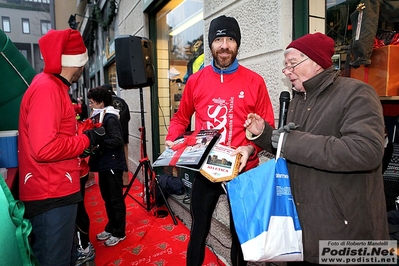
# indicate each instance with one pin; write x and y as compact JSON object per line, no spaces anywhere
{"x":221,"y":117}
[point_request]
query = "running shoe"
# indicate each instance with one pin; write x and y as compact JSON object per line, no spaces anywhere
{"x":103,"y":235}
{"x":83,"y":256}
{"x":112,"y":241}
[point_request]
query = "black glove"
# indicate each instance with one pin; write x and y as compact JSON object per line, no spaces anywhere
{"x":96,"y":136}
{"x":89,"y":151}
{"x":277,"y":132}
{"x":85,"y":153}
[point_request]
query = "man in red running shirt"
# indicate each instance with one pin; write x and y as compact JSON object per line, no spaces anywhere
{"x":221,"y":95}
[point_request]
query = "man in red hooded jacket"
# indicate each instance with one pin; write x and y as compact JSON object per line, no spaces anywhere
{"x":49,"y":148}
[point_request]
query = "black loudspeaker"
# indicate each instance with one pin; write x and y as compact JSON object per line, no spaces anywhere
{"x":134,"y":66}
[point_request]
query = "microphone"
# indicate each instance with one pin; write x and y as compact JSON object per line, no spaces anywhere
{"x":284,"y":103}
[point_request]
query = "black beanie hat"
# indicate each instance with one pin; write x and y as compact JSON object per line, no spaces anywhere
{"x":224,"y":27}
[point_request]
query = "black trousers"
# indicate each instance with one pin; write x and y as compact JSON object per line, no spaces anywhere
{"x":82,"y":218}
{"x":204,"y":197}
{"x":111,"y":188}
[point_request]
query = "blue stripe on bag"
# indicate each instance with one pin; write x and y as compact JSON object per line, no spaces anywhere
{"x":257,"y":195}
{"x":285,"y":194}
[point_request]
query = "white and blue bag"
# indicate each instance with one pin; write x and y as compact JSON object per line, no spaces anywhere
{"x":264,"y":212}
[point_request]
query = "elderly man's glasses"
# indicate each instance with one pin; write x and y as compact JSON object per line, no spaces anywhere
{"x":291,"y":68}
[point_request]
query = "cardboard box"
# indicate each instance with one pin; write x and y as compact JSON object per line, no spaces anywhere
{"x":382,"y":73}
{"x":8,"y":149}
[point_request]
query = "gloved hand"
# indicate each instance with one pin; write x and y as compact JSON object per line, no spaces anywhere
{"x":89,"y":151}
{"x":86,"y":153}
{"x":277,"y":132}
{"x":95,"y":135}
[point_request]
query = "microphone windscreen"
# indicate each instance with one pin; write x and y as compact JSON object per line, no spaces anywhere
{"x":285,"y":95}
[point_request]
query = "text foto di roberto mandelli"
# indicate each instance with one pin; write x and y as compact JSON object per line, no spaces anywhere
{"x":350,"y":251}
{"x":363,"y":243}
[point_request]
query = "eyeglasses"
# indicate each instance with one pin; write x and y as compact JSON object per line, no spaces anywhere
{"x":291,"y":68}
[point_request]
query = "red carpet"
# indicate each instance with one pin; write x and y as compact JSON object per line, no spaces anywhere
{"x":149,"y":240}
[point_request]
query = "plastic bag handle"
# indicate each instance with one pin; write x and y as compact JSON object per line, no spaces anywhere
{"x":280,"y":145}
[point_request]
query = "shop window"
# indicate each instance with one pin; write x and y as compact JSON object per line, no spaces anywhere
{"x":339,"y":28}
{"x":366,"y":35}
{"x":180,"y":28}
{"x":179,"y":44}
{"x":112,"y":75}
{"x":341,"y":25}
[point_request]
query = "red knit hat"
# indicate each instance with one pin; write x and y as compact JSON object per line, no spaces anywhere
{"x":62,"y":48}
{"x":317,"y":46}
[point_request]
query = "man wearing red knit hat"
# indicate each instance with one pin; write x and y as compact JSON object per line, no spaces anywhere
{"x":333,"y":144}
{"x":49,"y":148}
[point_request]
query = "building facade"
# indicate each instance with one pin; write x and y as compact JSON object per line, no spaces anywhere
{"x":24,"y":22}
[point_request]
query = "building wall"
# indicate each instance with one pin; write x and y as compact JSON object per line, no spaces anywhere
{"x":266,"y":29}
{"x":63,"y":10}
{"x":16,"y":16}
{"x":26,"y":42}
{"x":131,"y":20}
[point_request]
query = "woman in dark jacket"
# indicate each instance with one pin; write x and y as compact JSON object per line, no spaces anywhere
{"x":110,"y":163}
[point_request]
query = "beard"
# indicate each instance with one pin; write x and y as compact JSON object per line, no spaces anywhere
{"x":76,"y":75}
{"x":224,"y":57}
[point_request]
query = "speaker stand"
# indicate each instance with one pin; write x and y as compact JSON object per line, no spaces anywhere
{"x":149,"y":173}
